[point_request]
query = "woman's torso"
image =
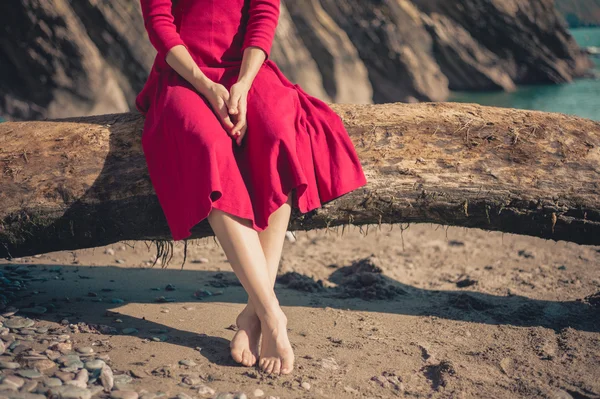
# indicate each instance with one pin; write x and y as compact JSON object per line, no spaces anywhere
{"x":213,"y":30}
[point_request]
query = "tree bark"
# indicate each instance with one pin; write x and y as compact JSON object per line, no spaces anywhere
{"x":83,"y":182}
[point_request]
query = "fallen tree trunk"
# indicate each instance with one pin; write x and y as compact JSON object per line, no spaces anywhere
{"x":82,"y":182}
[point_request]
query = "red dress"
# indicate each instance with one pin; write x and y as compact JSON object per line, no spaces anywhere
{"x":293,"y":139}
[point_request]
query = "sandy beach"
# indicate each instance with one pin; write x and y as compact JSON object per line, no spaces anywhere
{"x":431,"y":311}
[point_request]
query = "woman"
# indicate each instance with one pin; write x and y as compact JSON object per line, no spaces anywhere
{"x":228,"y":138}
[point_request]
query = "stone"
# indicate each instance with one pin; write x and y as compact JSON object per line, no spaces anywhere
{"x":86,"y":350}
{"x":17,"y":382}
{"x":9,"y":365}
{"x":258,"y":393}
{"x":128,"y":331}
{"x":18,"y":322}
{"x":29,"y":386}
{"x":106,"y":378}
{"x":53,"y":382}
{"x":7,"y":387}
{"x":183,"y":396}
{"x":109,"y":251}
{"x":192,"y":380}
{"x":329,"y":363}
{"x":187,"y":362}
{"x":70,"y":392}
{"x":305,"y":385}
{"x":124,"y":395}
{"x":64,"y":376}
{"x":205,"y":390}
{"x":68,"y":360}
{"x":2,"y":347}
{"x":95,"y":364}
{"x":62,"y":347}
{"x":30,"y":373}
{"x":44,"y":365}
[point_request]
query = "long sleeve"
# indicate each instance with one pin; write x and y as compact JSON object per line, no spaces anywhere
{"x":159,"y":23}
{"x":262,"y":23}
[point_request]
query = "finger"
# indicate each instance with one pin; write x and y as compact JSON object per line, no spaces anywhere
{"x":233,"y":103}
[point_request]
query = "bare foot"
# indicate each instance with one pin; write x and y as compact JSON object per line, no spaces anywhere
{"x":244,"y":345}
{"x":276,"y":354}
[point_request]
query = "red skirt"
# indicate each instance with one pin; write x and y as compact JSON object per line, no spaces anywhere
{"x":293,"y":141}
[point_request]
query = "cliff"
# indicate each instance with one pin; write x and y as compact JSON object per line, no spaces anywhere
{"x":580,"y":12}
{"x":65,"y":58}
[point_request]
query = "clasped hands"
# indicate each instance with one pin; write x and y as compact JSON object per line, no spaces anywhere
{"x":231,"y":107}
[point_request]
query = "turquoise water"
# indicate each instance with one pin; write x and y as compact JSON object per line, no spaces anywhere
{"x":581,"y":97}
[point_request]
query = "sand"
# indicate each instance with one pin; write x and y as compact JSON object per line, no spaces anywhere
{"x":431,"y":311}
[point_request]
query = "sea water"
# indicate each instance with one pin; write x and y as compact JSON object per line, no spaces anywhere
{"x":580,"y":97}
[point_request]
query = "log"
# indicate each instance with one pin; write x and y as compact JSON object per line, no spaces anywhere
{"x":82,"y":182}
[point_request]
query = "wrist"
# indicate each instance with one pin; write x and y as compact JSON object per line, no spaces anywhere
{"x":202,"y":84}
{"x":245,"y":82}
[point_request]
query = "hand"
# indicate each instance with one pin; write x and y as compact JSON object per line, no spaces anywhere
{"x":238,"y":107}
{"x":217,"y":95}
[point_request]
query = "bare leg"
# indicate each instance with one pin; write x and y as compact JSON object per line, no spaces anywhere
{"x":244,"y":345}
{"x":242,"y":247}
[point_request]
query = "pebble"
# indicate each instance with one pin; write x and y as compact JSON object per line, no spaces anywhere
{"x":17,"y":382}
{"x":70,"y":392}
{"x":122,"y":379}
{"x":9,"y":365}
{"x":258,"y":392}
{"x":30,"y":373}
{"x":85,"y":350}
{"x":117,"y":300}
{"x":68,"y":360}
{"x":200,"y":260}
{"x":183,"y":396}
{"x":44,"y":365}
{"x":29,"y":386}
{"x":106,"y":378}
{"x":95,"y":364}
{"x":205,"y":390}
{"x":329,"y":363}
{"x":124,"y":395}
{"x":64,"y":376}
{"x":170,"y":287}
{"x":62,"y":347}
{"x":2,"y":347}
{"x":305,"y":385}
{"x":18,"y":322}
{"x":53,"y":382}
{"x":128,"y":331}
{"x":192,"y":380}
{"x":120,"y":261}
{"x":7,"y":387}
{"x":188,"y":363}
{"x":109,"y":251}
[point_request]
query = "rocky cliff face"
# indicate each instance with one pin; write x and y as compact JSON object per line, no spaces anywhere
{"x":64,"y":58}
{"x":580,"y":12}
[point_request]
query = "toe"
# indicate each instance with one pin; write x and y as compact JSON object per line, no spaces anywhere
{"x":245,"y":357}
{"x":276,"y":366}
{"x":270,"y":366}
{"x":237,"y":355}
{"x":287,"y":365}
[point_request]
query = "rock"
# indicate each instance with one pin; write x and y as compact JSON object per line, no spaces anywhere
{"x":192,"y":380}
{"x":560,"y":394}
{"x":507,"y":365}
{"x":124,"y":395}
{"x":170,"y":287}
{"x":188,"y":363}
{"x":109,"y":251}
{"x":205,"y":390}
{"x":64,"y":376}
{"x":129,"y":331}
{"x":122,"y":379}
{"x":85,"y":350}
{"x":200,"y":260}
{"x":117,"y":300}
{"x":70,"y":392}
{"x":30,"y":373}
{"x":183,"y":396}
{"x":29,"y":386}
{"x":7,"y":387}
{"x":9,"y":365}
{"x":69,"y":360}
{"x":305,"y":385}
{"x":258,"y":393}
{"x":120,"y":261}
{"x":26,"y":395}
{"x":107,"y":378}
{"x":329,"y":363}
{"x":18,"y":322}
{"x":13,"y":380}
{"x":351,"y":390}
{"x":62,"y":347}
{"x":53,"y":382}
{"x":2,"y":347}
{"x":95,"y":364}
{"x":44,"y":365}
